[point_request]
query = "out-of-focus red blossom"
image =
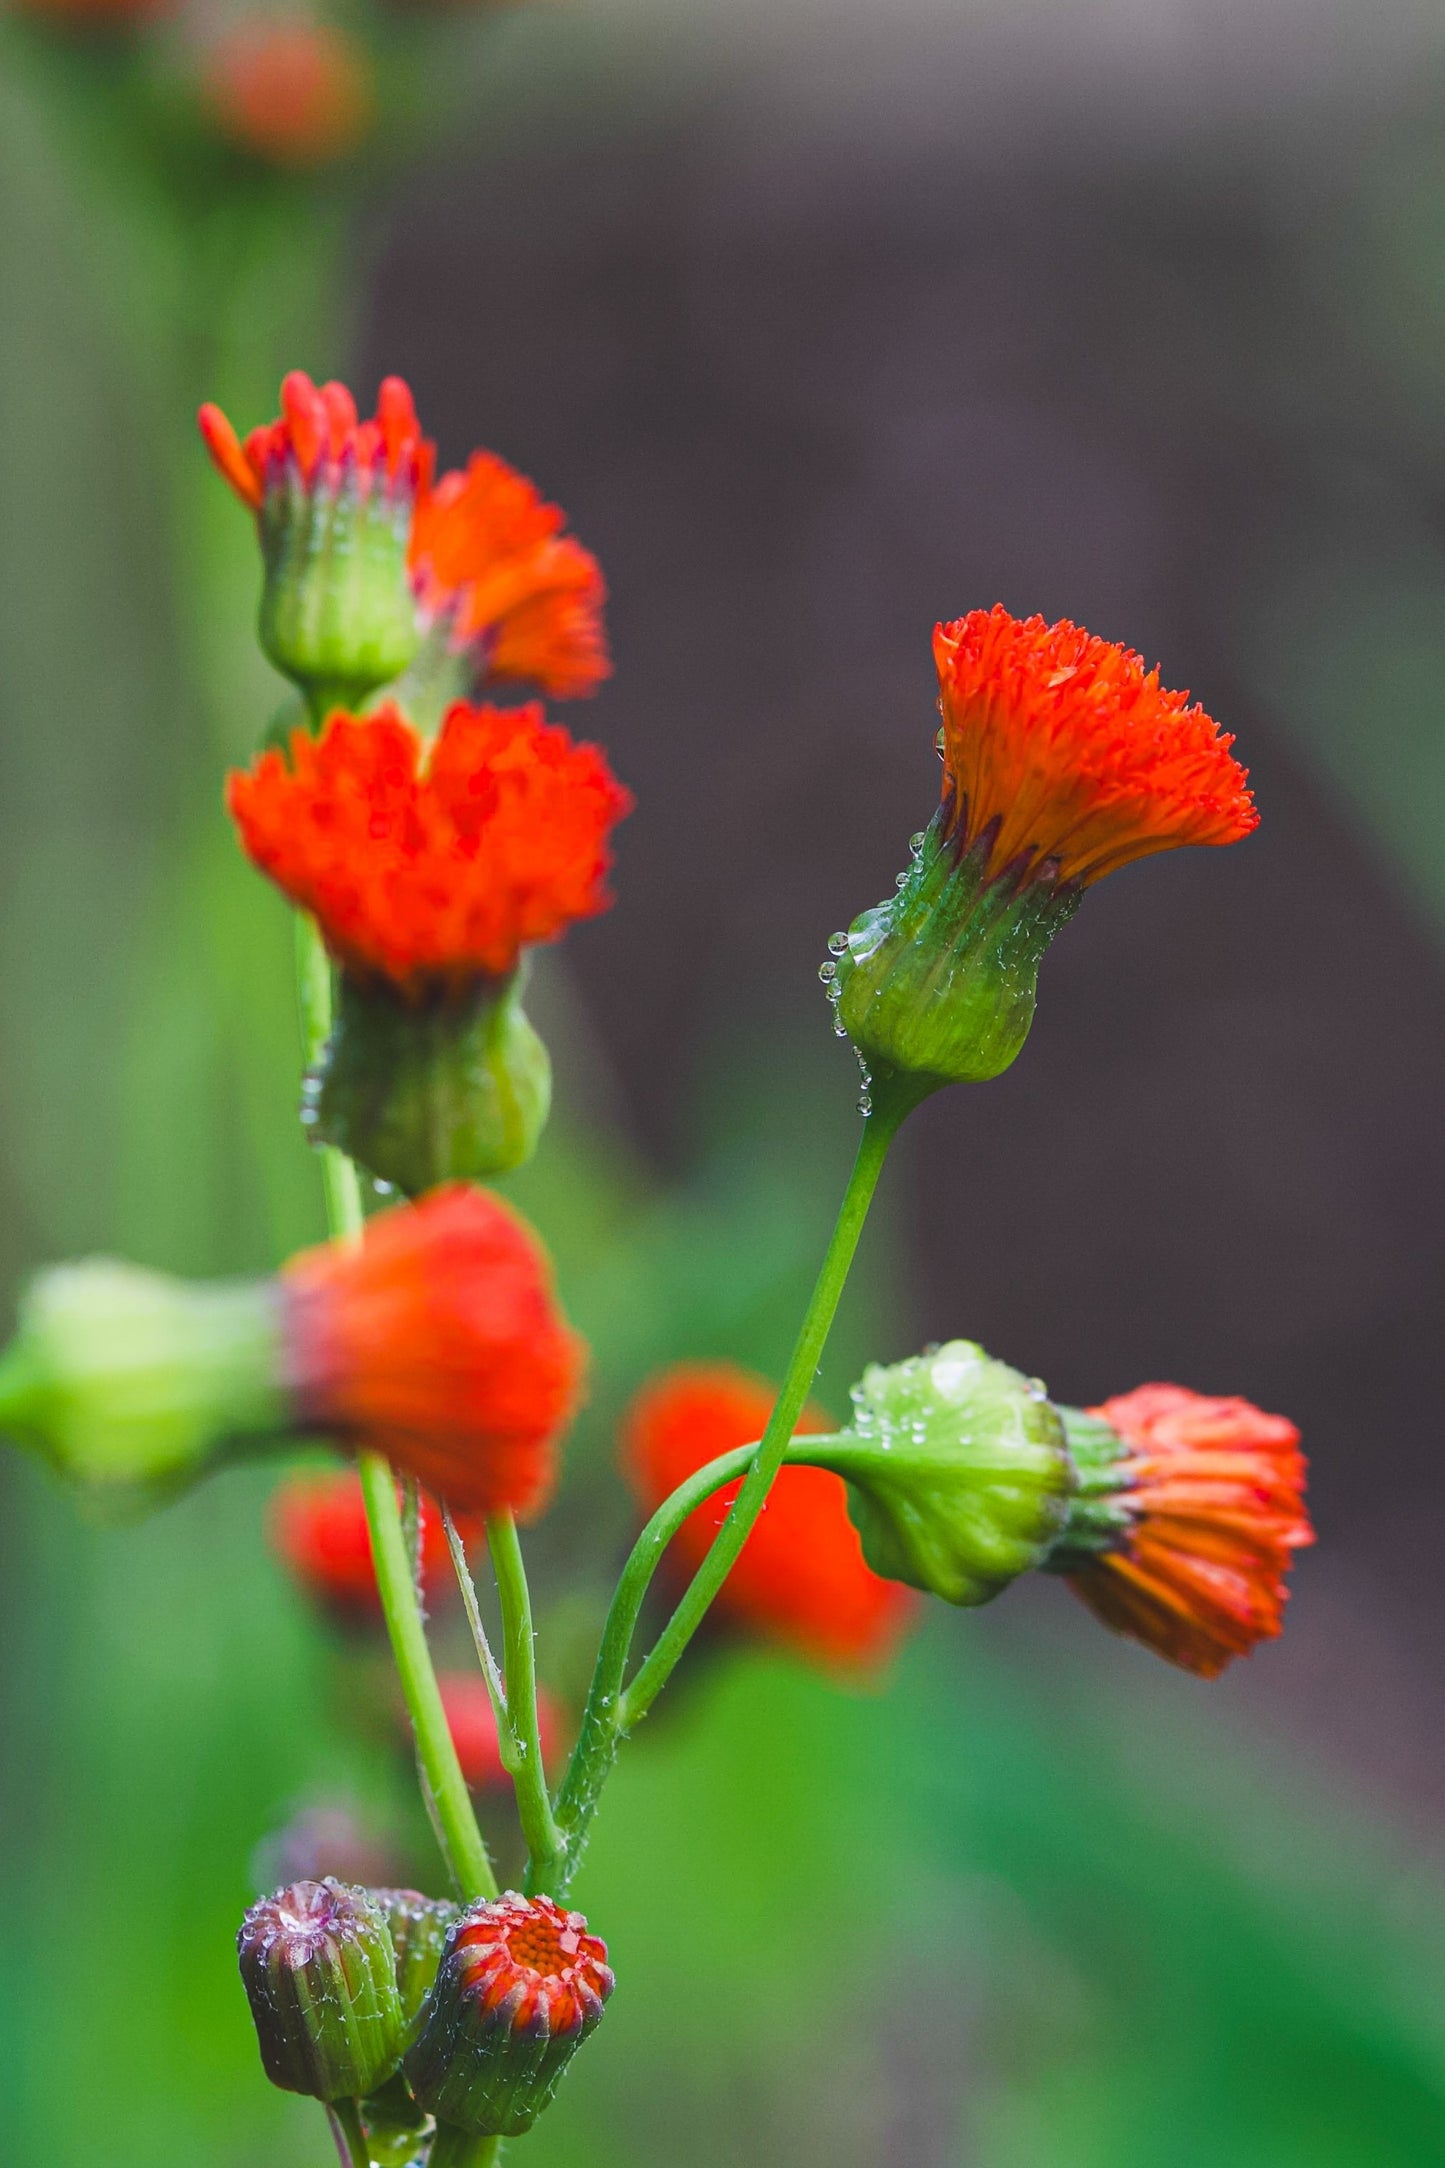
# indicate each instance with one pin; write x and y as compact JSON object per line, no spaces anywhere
{"x":432,"y":869}
{"x":318,"y":1529}
{"x":800,"y":1578}
{"x":437,"y":1340}
{"x":1063,"y":754}
{"x":293,"y":93}
{"x":1216,"y":1489}
{"x":489,"y":556}
{"x":490,"y":561}
{"x":317,"y":430}
{"x":473,"y":1726}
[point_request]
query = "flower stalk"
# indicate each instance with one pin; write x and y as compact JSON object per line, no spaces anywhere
{"x":444,"y":1787}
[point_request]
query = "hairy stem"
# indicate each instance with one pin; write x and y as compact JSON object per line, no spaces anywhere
{"x":452,"y":2148}
{"x":443,"y":1785}
{"x":345,"y":2119}
{"x":545,"y":1843}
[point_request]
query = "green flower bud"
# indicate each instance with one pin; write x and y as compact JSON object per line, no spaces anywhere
{"x":521,"y":1985}
{"x":453,"y":1084}
{"x":959,"y":1477}
{"x":127,"y":1379}
{"x":317,"y":1965}
{"x":938,"y":984}
{"x":418,"y":1928}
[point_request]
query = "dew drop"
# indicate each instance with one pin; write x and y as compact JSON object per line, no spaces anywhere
{"x":865,"y":1106}
{"x":899,"y":880}
{"x":837,"y":942}
{"x":915,"y":842}
{"x":827,"y":973}
{"x":840,"y":1031}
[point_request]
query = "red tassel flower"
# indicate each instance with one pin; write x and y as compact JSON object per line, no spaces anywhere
{"x":800,"y":1578}
{"x":437,"y":1340}
{"x":1197,"y":1509}
{"x":318,"y":1529}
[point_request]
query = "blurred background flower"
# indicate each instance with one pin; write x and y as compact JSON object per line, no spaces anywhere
{"x":824,"y":321}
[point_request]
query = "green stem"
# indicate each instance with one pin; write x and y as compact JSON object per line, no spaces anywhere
{"x":612,"y":1711}
{"x":444,"y":1786}
{"x":453,"y":2148}
{"x":545,"y":1842}
{"x":345,"y":2119}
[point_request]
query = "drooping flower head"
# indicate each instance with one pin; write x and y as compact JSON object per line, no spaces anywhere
{"x":472,"y":1722}
{"x":521,"y":1985}
{"x":1064,"y":759}
{"x":333,"y":498}
{"x":430,"y":872}
{"x":292,"y":93}
{"x":429,"y":869}
{"x":318,"y":1528}
{"x":800,"y":1579}
{"x":1188,"y":1518}
{"x":497,"y":574}
{"x":437,"y":1339}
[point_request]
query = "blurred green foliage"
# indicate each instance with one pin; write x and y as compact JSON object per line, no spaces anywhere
{"x":1017,"y":1911}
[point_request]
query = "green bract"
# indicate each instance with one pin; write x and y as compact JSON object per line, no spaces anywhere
{"x":959,"y":1477}
{"x":939,"y":983}
{"x":444,"y":1087}
{"x":338,"y":614}
{"x":317,"y":1965}
{"x":128,"y":1379}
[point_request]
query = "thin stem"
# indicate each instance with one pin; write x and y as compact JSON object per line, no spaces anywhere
{"x":878,"y":1133}
{"x":545,"y":1842}
{"x":345,"y":2119}
{"x":443,"y":1785}
{"x":446,"y":1791}
{"x":453,"y":2148}
{"x":611,"y":1710}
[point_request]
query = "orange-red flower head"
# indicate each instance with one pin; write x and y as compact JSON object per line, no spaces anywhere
{"x":1191,"y":1511}
{"x":492,"y":564}
{"x":293,"y":93}
{"x":520,"y":1986}
{"x":437,"y":1340}
{"x":800,"y":1579}
{"x":1063,"y":759}
{"x":432,"y":869}
{"x":318,"y":436}
{"x":318,"y":1529}
{"x":1063,"y":753}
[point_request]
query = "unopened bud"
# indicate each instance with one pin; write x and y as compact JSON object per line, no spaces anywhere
{"x":418,"y":1928}
{"x":521,"y":1985}
{"x":317,"y":1964}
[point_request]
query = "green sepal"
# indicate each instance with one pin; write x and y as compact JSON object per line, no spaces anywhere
{"x":317,"y":1965}
{"x":447,"y":1087}
{"x":939,"y":983}
{"x":959,"y":1477}
{"x":131,"y":1382}
{"x":338,"y":614}
{"x":1100,"y":1516}
{"x":418,"y":1928}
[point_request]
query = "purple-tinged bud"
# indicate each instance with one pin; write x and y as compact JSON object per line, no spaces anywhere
{"x":521,"y":1985}
{"x":317,"y":1965}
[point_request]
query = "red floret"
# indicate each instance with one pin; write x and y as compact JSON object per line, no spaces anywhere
{"x":432,"y":870}
{"x":1216,"y":1493}
{"x":437,"y":1340}
{"x":1062,"y":753}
